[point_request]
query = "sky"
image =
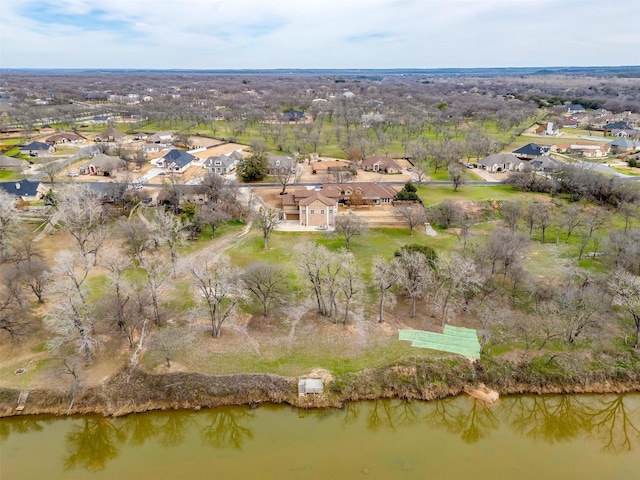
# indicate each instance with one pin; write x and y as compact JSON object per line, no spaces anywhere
{"x":268,"y":34}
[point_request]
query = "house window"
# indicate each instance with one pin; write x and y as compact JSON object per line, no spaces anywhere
{"x":331,"y":211}
{"x":322,"y":212}
{"x":312,"y":211}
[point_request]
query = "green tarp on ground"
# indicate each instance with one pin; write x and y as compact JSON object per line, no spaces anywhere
{"x":463,"y":341}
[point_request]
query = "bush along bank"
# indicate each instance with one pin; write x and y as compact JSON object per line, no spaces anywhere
{"x":131,"y":391}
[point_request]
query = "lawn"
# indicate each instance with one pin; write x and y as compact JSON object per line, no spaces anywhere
{"x":434,"y":194}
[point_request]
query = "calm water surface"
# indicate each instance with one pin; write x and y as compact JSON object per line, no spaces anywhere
{"x":523,"y":437}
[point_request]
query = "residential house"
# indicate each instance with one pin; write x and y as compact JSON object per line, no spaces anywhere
{"x":149,"y":148}
{"x":111,"y":134}
{"x":502,"y":162}
{"x":319,"y":206}
{"x":317,"y":210}
{"x":548,"y":129}
{"x":624,"y":133}
{"x":531,"y":150}
{"x":165,"y":138}
{"x":47,"y":130}
{"x":85,"y":152}
{"x":623,"y":145}
{"x":617,"y":126}
{"x":12,"y":164}
{"x":223,"y":164}
{"x":176,"y":161}
{"x":101,"y":164}
{"x":281,"y":164}
{"x":65,"y":137}
{"x":575,"y":108}
{"x":381,"y":164}
{"x":369,"y":193}
{"x":183,"y":195}
{"x":544,"y":163}
{"x":24,"y":189}
{"x":589,"y":151}
{"x":570,"y":123}
{"x":37,"y":149}
{"x":293,"y":116}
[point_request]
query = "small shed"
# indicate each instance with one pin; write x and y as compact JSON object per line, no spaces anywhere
{"x":309,"y":385}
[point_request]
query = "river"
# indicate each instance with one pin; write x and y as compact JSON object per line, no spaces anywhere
{"x":521,"y":437}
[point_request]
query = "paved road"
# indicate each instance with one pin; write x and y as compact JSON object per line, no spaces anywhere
{"x":601,"y":168}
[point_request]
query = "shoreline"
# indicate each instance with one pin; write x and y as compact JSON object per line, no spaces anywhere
{"x":136,"y":391}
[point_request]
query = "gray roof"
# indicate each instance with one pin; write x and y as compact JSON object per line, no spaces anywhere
{"x":546,"y":163}
{"x":498,"y":159}
{"x":111,"y":132}
{"x":532,"y":149}
{"x":105,"y":162}
{"x":12,"y":162}
{"x":23,"y":188}
{"x":85,"y":152}
{"x":220,"y":161}
{"x":36,"y":146}
{"x":178,"y":157}
{"x":618,"y":125}
{"x":624,"y":143}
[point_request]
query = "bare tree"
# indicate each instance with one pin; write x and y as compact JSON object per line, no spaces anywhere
{"x":212,"y":215}
{"x":511,"y":212}
{"x":285,"y":172}
{"x":82,"y":215}
{"x":595,"y":219}
{"x":50,"y":167}
{"x":339,"y":174}
{"x":14,"y":319}
{"x":155,"y":269}
{"x":71,"y":319}
{"x":457,"y":175}
{"x":170,"y":230}
{"x":625,"y":287}
{"x":350,"y":284}
{"x":267,"y":283}
{"x":323,"y":269}
{"x":117,"y":265}
{"x":267,"y":219}
{"x":136,"y":234}
{"x":571,"y":218}
{"x":349,"y":226}
{"x":8,"y":214}
{"x":222,"y":287}
{"x":457,"y":278}
{"x":414,"y":275}
{"x":385,"y":275}
{"x":503,"y":250}
{"x":412,"y":214}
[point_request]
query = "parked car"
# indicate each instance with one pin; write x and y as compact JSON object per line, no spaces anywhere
{"x":137,"y":186}
{"x":73,"y":174}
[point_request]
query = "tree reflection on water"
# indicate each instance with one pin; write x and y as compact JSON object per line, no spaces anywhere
{"x":612,"y":420}
{"x":224,"y":428}
{"x":94,"y":441}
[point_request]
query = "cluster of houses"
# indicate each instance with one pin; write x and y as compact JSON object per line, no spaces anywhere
{"x":622,"y":125}
{"x":539,"y":157}
{"x":529,"y":157}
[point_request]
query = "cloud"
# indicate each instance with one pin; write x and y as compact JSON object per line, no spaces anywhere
{"x":315,"y":34}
